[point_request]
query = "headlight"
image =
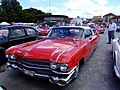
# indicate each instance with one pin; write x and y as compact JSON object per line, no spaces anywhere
{"x":53,"y":66}
{"x":7,"y":55}
{"x":63,"y":67}
{"x":12,"y":56}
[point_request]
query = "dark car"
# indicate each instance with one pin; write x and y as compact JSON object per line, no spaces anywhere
{"x":13,"y":35}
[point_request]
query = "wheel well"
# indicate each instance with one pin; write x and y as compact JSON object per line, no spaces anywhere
{"x":81,"y":62}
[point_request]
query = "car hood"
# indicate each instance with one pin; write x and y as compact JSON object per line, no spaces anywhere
{"x":45,"y":49}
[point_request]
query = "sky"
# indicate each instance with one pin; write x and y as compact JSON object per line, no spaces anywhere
{"x":74,"y":8}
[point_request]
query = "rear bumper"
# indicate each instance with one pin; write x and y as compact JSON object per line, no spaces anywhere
{"x":58,"y":78}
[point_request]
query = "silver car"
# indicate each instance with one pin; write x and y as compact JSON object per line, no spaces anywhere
{"x":116,"y":56}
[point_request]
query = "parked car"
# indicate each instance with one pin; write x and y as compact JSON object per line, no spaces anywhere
{"x":13,"y":35}
{"x":100,"y":29}
{"x":116,"y":56}
{"x":118,"y":28}
{"x":43,"y":30}
{"x":57,"y":56}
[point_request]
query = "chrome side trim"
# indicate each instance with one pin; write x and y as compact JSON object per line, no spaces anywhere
{"x":62,"y":53}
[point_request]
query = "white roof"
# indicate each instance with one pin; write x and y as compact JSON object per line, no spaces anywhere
{"x":84,"y":27}
{"x":4,"y":23}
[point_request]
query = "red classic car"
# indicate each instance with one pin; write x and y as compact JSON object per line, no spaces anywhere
{"x":100,"y":30}
{"x":56,"y":56}
{"x":97,"y":29}
{"x":44,"y":30}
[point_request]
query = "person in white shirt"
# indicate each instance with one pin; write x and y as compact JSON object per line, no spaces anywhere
{"x":111,"y":30}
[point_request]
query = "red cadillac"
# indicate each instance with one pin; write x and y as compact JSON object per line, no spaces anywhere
{"x":57,"y":57}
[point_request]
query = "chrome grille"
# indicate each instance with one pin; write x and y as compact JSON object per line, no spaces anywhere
{"x":33,"y":63}
{"x":44,"y":72}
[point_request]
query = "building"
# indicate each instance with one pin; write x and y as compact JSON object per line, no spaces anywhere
{"x":97,"y":19}
{"x":108,"y":16}
{"x":59,"y":19}
{"x":116,"y":19}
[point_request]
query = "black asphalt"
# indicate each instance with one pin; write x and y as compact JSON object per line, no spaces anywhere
{"x":95,"y":74}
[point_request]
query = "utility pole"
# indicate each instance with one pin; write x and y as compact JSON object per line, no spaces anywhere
{"x":49,"y":11}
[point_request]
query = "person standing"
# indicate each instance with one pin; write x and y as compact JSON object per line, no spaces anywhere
{"x":111,"y":30}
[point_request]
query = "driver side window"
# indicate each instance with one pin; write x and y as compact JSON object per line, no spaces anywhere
{"x":88,"y":33}
{"x":17,"y":33}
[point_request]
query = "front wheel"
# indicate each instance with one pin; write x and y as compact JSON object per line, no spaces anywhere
{"x":77,"y":71}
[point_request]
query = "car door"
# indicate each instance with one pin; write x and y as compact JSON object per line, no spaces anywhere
{"x":90,"y":39}
{"x":17,"y":36}
{"x":31,"y":33}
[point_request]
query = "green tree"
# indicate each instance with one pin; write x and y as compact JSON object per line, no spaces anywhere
{"x":12,"y":9}
{"x":34,"y":11}
{"x":26,"y":16}
{"x":32,"y":14}
{"x":3,"y":15}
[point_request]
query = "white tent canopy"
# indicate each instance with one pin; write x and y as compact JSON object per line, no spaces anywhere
{"x":76,"y":21}
{"x":4,"y":23}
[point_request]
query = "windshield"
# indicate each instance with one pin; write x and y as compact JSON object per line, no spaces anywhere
{"x":66,"y":33}
{"x":4,"y":32}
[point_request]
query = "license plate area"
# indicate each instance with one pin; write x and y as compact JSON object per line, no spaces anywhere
{"x":31,"y":73}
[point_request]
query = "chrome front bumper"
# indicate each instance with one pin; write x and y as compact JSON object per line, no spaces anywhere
{"x":61,"y":81}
